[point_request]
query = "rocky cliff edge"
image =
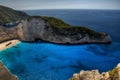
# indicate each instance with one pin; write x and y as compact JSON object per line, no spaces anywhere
{"x":95,"y":75}
{"x":34,"y":28}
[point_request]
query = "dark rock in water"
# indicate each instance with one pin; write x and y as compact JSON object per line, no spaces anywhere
{"x":32,"y":28}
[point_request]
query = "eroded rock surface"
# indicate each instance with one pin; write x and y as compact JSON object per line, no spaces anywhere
{"x":32,"y":28}
{"x":95,"y":75}
{"x":38,"y":29}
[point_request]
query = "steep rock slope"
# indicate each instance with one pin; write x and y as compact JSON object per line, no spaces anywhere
{"x":8,"y":15}
{"x":32,"y":28}
{"x":54,"y":30}
{"x":10,"y":23}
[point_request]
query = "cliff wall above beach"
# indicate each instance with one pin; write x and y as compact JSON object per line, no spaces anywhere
{"x":19,"y":25}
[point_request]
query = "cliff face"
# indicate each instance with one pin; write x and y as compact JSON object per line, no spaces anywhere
{"x":8,"y":33}
{"x":8,"y":15}
{"x":48,"y":29}
{"x":95,"y":75}
{"x":5,"y":74}
{"x":37,"y":28}
{"x":10,"y":23}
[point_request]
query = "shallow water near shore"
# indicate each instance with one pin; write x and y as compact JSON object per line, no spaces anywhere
{"x":46,"y":61}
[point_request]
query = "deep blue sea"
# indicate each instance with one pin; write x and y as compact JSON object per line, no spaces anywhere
{"x":47,"y":61}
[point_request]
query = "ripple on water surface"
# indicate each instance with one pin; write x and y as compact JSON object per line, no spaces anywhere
{"x":45,"y":61}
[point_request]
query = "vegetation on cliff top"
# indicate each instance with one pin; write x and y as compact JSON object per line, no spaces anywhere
{"x":59,"y":27}
{"x":65,"y":29}
{"x":55,"y":22}
{"x":8,"y":15}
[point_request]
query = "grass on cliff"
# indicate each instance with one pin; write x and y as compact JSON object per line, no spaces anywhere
{"x":61,"y":28}
{"x":68,"y":29}
{"x":8,"y":15}
{"x":55,"y":22}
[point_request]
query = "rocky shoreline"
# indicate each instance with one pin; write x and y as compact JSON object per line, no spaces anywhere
{"x":50,"y":29}
{"x":5,"y":74}
{"x":114,"y":74}
{"x":18,"y":25}
{"x":95,"y":75}
{"x":29,"y":31}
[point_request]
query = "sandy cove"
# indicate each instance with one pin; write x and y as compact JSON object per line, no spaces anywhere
{"x":5,"y":74}
{"x":8,"y":44}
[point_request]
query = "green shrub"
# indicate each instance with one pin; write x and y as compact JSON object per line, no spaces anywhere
{"x":59,"y":27}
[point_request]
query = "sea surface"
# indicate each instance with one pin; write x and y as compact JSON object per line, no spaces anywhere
{"x":99,"y":20}
{"x":47,"y":61}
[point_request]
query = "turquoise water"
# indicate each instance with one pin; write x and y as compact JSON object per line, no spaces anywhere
{"x":46,"y":61}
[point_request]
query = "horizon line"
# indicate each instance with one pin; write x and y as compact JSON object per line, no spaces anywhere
{"x":67,"y":9}
{"x":63,"y":8}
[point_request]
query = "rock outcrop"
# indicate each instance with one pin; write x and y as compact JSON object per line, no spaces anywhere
{"x":32,"y":28}
{"x":10,"y":33}
{"x":5,"y":74}
{"x":95,"y":75}
{"x":10,"y":17}
{"x":37,"y":28}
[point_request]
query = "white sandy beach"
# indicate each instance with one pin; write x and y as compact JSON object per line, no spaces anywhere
{"x":7,"y":44}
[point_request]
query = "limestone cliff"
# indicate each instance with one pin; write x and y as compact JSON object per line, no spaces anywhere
{"x":95,"y":75}
{"x":32,"y":28}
